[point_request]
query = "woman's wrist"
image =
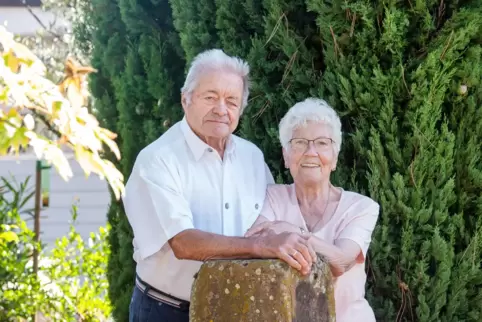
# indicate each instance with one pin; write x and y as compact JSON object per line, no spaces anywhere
{"x":305,"y":233}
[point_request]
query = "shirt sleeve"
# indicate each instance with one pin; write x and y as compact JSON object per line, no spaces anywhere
{"x":359,"y":227}
{"x":155,"y":205}
{"x":269,"y":175}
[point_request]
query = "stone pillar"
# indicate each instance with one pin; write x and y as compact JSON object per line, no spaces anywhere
{"x":261,"y":291}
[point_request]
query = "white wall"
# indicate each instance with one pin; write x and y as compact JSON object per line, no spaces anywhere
{"x":21,"y":22}
{"x":90,"y":194}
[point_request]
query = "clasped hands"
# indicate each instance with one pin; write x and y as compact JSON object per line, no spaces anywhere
{"x":280,"y":239}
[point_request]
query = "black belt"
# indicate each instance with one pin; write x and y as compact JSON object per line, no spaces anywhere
{"x":160,"y":296}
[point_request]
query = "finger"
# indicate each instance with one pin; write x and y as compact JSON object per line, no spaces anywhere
{"x":259,"y":234}
{"x":257,"y":228}
{"x":250,"y":233}
{"x":336,"y":270}
{"x":360,"y":258}
{"x":265,"y":233}
{"x":349,"y":266}
{"x":305,"y":256}
{"x":312,"y":252}
{"x":253,"y":231}
{"x":305,"y":266}
{"x":290,"y":260}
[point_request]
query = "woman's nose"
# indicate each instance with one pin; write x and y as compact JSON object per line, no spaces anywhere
{"x":311,"y":151}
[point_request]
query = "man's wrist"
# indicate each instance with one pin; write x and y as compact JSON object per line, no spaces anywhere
{"x":253,"y":246}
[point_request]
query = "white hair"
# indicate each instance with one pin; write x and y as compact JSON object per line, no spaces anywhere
{"x":216,"y":59}
{"x":311,"y":109}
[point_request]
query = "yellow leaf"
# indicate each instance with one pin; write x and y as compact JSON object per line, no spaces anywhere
{"x":110,"y":143}
{"x":12,"y":113}
{"x":56,"y":107}
{"x":9,"y":236}
{"x":11,"y":61}
{"x":84,"y":158}
{"x":3,"y":96}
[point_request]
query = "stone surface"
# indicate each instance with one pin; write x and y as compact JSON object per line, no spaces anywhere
{"x":261,"y":290}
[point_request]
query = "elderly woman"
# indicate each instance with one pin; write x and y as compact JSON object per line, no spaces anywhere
{"x":337,"y":223}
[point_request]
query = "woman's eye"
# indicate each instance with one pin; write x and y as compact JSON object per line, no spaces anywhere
{"x":300,"y":142}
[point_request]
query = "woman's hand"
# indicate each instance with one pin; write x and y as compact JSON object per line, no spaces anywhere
{"x":276,"y":227}
{"x":293,"y":248}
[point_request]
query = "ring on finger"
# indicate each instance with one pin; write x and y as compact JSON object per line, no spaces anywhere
{"x":294,"y":253}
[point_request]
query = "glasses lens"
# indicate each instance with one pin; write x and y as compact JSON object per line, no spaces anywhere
{"x":299,"y":144}
{"x":322,"y":144}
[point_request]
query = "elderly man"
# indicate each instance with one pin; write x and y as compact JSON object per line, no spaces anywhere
{"x":195,"y":191}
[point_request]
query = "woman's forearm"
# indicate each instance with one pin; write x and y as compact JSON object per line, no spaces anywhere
{"x":341,"y":257}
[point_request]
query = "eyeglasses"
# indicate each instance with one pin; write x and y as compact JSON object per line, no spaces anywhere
{"x":321,"y":144}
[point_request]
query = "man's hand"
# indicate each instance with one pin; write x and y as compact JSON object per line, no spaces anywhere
{"x":276,"y":227}
{"x":292,"y":248}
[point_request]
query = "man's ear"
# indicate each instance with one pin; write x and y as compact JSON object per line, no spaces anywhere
{"x":184,"y":102}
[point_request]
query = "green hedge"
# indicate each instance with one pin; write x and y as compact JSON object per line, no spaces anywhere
{"x":405,"y":78}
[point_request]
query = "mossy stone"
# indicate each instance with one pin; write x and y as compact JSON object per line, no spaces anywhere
{"x":261,"y":290}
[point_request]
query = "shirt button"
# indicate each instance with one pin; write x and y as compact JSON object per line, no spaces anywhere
{"x":256,"y":206}
{"x":210,"y":150}
{"x":226,"y":205}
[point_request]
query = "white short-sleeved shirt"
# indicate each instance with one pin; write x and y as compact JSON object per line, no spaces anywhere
{"x":179,"y":182}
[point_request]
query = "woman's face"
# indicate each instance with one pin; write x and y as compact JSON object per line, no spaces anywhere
{"x":311,"y":162}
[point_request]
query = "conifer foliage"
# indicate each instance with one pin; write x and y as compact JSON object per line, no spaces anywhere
{"x":405,"y":77}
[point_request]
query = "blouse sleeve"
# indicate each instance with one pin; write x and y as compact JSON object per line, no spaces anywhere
{"x":360,"y":223}
{"x":268,"y":210}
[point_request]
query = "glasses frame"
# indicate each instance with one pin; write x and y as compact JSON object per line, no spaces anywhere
{"x":309,"y":141}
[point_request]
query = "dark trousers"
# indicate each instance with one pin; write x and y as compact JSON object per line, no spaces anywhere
{"x":146,"y":309}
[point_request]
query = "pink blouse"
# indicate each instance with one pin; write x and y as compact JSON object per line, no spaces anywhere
{"x":354,"y":218}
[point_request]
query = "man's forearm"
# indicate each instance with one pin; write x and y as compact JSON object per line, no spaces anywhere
{"x":193,"y":244}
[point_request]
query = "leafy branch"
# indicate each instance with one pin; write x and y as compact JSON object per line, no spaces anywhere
{"x":26,"y":91}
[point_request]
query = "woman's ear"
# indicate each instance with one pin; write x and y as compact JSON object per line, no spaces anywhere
{"x":334,"y":163}
{"x":286,"y":158}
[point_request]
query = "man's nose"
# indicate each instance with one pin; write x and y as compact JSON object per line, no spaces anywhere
{"x":220,"y":109}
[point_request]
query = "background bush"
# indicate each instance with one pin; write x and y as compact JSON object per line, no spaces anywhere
{"x":404,"y":77}
{"x":71,"y":284}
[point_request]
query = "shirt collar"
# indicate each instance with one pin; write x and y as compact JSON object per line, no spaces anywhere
{"x":198,"y":146}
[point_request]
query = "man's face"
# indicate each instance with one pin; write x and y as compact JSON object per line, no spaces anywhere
{"x":215,"y":105}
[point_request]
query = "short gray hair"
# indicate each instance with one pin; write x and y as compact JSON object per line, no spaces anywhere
{"x":311,"y":109}
{"x":216,"y":59}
